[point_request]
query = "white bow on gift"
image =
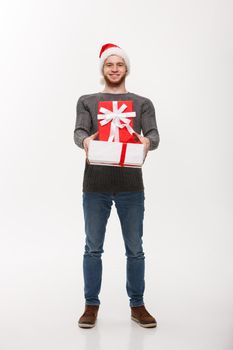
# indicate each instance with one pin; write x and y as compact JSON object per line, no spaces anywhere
{"x":116,"y":116}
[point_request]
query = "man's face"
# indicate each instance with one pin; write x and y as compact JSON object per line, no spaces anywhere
{"x":114,"y":70}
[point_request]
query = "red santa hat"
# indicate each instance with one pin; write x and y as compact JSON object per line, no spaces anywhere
{"x":112,"y":49}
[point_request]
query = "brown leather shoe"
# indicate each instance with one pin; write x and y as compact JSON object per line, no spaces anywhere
{"x":89,"y":317}
{"x":140,"y":315}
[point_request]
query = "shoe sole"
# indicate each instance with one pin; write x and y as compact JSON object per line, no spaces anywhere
{"x":86,"y":325}
{"x":147,"y":325}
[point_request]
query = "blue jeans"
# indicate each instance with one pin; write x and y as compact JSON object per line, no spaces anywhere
{"x":130,"y":210}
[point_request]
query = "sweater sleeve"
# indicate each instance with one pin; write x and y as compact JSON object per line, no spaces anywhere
{"x":82,"y":124}
{"x":149,"y":124}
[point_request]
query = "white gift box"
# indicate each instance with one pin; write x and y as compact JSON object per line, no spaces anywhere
{"x":116,"y":154}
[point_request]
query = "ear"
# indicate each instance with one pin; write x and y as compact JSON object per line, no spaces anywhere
{"x":102,"y":80}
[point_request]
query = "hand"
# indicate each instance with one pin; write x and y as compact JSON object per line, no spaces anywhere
{"x":87,"y":140}
{"x":146,"y":142}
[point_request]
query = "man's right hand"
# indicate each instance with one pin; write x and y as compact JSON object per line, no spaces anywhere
{"x":87,"y":140}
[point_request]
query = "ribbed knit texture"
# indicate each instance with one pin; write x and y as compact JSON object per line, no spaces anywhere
{"x":100,"y":178}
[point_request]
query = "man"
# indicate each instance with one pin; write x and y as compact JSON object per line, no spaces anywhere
{"x":103,"y":185}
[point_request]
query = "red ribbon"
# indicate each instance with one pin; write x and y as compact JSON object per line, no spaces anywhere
{"x":123,"y":153}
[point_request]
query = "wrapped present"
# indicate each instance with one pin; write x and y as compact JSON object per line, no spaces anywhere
{"x":115,"y":121}
{"x":116,"y":153}
{"x":117,"y":143}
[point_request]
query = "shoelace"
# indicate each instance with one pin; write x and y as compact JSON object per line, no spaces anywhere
{"x":144,"y":312}
{"x":90,"y":312}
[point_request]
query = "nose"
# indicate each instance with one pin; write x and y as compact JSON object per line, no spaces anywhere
{"x":114,"y":68}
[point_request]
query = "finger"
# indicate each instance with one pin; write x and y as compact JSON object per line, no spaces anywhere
{"x":139,"y":137}
{"x":86,"y":152}
{"x":92,"y":137}
{"x":137,"y":134}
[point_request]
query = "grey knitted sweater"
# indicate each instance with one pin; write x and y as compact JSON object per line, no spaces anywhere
{"x":100,"y":178}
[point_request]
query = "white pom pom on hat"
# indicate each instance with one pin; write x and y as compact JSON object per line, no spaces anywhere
{"x":112,"y":49}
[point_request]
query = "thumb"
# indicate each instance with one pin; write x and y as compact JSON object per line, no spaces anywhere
{"x":138,"y":136}
{"x":93,"y":136}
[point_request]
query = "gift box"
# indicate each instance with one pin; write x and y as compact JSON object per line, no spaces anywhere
{"x":117,"y":143}
{"x":116,"y":154}
{"x":115,"y":121}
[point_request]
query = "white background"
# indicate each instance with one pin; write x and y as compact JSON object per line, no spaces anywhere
{"x":181,"y":55}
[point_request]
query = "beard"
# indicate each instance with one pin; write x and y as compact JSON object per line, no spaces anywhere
{"x":111,"y":83}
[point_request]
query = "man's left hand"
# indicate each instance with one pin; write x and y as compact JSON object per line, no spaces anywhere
{"x":145,"y":141}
